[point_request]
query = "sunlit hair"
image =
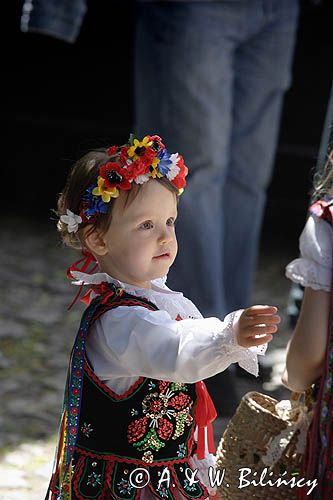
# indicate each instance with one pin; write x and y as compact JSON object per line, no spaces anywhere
{"x":83,"y":174}
{"x":323,"y":180}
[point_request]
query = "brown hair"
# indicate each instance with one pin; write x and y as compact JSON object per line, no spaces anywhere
{"x":83,"y":174}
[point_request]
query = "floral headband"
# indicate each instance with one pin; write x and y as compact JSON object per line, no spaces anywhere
{"x":137,"y":161}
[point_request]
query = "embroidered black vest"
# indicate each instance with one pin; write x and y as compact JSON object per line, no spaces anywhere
{"x":147,"y":430}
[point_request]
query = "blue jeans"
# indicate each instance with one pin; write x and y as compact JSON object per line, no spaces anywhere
{"x":210,"y":79}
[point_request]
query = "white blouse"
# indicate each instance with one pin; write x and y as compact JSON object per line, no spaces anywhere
{"x":128,"y":342}
{"x":313,"y":267}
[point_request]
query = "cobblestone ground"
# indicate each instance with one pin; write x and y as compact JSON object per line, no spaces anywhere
{"x":36,"y":333}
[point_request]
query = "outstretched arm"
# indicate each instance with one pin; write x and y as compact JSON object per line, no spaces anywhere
{"x":306,"y":349}
{"x":134,"y":341}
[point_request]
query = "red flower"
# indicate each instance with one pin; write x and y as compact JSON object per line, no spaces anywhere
{"x":136,"y":168}
{"x":114,"y":175}
{"x":136,"y":429}
{"x":76,"y":392}
{"x":180,"y":401}
{"x":123,"y":155}
{"x":112,"y":150}
{"x":179,"y":181}
{"x":72,"y":430}
{"x":74,"y":411}
{"x":165,"y":429}
{"x":157,"y":142}
{"x":148,"y":156}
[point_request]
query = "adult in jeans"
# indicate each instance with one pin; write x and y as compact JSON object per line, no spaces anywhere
{"x":210,"y":78}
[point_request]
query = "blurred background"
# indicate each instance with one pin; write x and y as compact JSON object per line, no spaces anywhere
{"x":58,"y":100}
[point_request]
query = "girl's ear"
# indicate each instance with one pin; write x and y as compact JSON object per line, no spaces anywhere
{"x":94,"y":241}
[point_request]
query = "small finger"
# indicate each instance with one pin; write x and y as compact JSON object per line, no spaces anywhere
{"x":260,"y":330}
{"x":262,"y":319}
{"x":259,"y":309}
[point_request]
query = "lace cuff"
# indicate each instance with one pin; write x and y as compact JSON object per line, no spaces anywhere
{"x":247,"y":358}
{"x":313,"y":267}
{"x":309,"y":273}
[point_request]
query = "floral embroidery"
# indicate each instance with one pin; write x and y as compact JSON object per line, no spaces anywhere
{"x":180,"y":401}
{"x":151,"y":440}
{"x":148,"y":457}
{"x":166,"y":415}
{"x":188,"y":486}
{"x":178,"y":386}
{"x":134,"y":412}
{"x":182,"y":418}
{"x":86,"y":429}
{"x":136,"y":429}
{"x":94,"y":479}
{"x":151,"y":385}
{"x":182,"y":451}
{"x":124,"y":486}
{"x":163,"y":386}
{"x":165,"y":429}
{"x":162,"y":490}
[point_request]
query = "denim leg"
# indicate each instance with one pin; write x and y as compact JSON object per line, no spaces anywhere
{"x":210,"y":78}
{"x":184,"y":93}
{"x":262,"y":68}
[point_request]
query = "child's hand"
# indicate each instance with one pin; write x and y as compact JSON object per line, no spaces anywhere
{"x":257,"y":320}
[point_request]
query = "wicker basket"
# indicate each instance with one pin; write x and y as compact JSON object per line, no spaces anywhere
{"x":245,"y":443}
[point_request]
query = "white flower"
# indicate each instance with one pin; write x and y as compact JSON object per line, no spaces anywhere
{"x":174,"y":169}
{"x":141,"y":179}
{"x":71,"y":220}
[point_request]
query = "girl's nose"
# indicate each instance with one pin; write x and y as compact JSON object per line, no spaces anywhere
{"x":165,"y":237}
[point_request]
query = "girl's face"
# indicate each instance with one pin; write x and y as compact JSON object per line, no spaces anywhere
{"x":140,"y":243}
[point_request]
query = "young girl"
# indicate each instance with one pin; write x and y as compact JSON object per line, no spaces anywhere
{"x":310,"y":350}
{"x":137,"y":416}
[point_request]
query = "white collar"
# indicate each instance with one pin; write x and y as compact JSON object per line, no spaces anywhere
{"x":157,"y":285}
{"x":164,"y":298}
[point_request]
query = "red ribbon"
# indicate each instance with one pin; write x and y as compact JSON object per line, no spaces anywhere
{"x":101,"y":289}
{"x":87,"y":260}
{"x":204,"y":414}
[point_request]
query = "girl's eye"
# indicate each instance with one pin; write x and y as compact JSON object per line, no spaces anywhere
{"x":146,"y":225}
{"x":171,"y":222}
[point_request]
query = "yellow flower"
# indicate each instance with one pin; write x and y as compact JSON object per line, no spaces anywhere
{"x":136,"y":153}
{"x":154,"y":173}
{"x":155,"y":162}
{"x":105,"y":192}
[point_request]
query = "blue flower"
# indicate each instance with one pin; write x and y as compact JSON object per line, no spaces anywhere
{"x":95,"y":203}
{"x":165,"y":162}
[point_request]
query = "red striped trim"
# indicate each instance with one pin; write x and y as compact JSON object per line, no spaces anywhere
{"x":107,"y":389}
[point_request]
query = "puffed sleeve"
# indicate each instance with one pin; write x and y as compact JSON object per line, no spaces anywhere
{"x":313,"y":267}
{"x":134,"y":341}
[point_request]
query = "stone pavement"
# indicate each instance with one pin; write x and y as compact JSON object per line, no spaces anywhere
{"x":36,"y":333}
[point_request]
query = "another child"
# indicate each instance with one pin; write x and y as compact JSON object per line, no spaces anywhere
{"x":135,"y":402}
{"x":310,"y":350}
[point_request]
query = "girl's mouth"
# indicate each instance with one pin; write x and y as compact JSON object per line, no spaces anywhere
{"x":163,"y":256}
